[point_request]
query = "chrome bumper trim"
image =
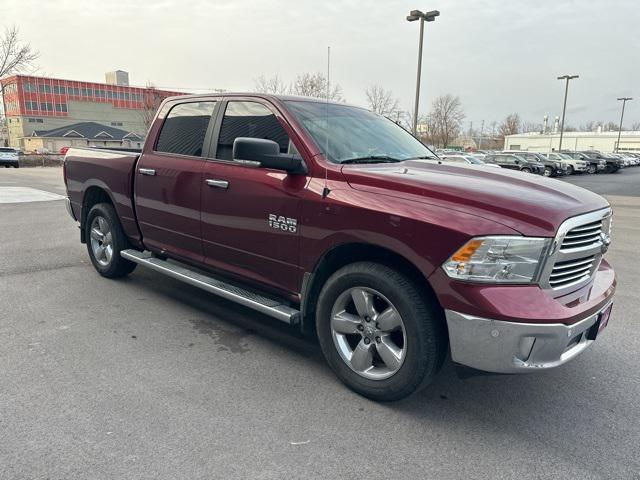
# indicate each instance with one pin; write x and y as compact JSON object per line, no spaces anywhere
{"x":67,"y":204}
{"x":510,"y":347}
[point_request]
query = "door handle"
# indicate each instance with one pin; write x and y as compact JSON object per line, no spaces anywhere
{"x":217,"y":183}
{"x":147,"y":171}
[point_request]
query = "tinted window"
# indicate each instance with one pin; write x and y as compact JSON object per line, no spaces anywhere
{"x":249,"y":119}
{"x":508,"y":160}
{"x":184,"y":129}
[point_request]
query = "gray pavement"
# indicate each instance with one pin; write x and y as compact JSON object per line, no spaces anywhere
{"x":146,"y":378}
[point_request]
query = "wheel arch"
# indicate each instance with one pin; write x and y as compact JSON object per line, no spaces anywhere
{"x":93,"y":195}
{"x":345,"y":254}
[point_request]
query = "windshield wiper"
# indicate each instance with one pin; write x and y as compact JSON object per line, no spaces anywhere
{"x":425,"y":157}
{"x":372,"y":159}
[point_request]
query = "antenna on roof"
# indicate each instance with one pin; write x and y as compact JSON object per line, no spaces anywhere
{"x":325,"y":190}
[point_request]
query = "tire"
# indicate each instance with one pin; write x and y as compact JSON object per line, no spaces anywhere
{"x":526,"y":170}
{"x":412,"y":327}
{"x":548,"y":172}
{"x":591,"y":169}
{"x":105,"y":241}
{"x":570,"y":170}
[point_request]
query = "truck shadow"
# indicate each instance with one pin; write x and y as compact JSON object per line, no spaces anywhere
{"x":553,"y":411}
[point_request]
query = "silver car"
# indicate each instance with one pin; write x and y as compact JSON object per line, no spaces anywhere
{"x":9,"y":157}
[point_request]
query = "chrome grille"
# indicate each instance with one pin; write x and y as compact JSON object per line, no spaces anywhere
{"x":571,"y":271}
{"x":576,"y":252}
{"x":583,"y":236}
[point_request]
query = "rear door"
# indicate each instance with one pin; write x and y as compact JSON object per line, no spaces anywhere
{"x":169,"y":177}
{"x":250,"y":216}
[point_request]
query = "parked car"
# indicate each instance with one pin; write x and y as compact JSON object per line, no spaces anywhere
{"x":468,"y":159}
{"x":613,"y":163}
{"x":552,"y":167}
{"x":9,"y":157}
{"x":64,"y":150}
{"x":591,"y":165}
{"x":574,"y":165}
{"x":323,"y":215}
{"x":515,"y":162}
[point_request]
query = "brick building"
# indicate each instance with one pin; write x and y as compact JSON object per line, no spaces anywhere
{"x":38,"y":104}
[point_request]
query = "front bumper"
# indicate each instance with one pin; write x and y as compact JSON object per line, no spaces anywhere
{"x":508,"y":347}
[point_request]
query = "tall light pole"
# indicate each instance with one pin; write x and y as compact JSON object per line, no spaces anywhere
{"x":624,"y":102}
{"x":412,"y":17}
{"x":564,"y":108}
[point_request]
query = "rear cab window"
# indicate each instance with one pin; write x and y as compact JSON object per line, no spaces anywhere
{"x":185,"y":128}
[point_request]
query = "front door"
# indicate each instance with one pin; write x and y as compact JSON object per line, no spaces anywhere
{"x":250,"y":216}
{"x":168,"y":179}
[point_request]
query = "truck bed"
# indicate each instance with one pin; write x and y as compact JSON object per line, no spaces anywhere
{"x":90,"y":171}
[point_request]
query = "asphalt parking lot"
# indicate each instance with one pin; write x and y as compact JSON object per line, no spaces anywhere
{"x":146,"y":377}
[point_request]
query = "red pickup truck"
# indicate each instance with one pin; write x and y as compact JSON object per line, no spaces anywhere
{"x":338,"y":221}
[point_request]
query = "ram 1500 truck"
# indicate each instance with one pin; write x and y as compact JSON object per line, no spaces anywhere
{"x":338,"y":221}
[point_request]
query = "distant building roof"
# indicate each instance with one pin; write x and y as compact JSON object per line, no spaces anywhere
{"x":624,"y":133}
{"x":88,"y":130}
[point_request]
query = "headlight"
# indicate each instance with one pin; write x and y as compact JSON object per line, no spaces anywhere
{"x":498,"y":259}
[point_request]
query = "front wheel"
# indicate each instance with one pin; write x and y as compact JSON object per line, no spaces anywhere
{"x":526,"y":170}
{"x":105,"y":241}
{"x":570,"y":170}
{"x":380,"y":333}
{"x":548,"y":172}
{"x":592,"y":169}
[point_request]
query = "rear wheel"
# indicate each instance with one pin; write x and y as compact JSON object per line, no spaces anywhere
{"x":381,"y":335}
{"x":592,"y":168}
{"x":105,"y":241}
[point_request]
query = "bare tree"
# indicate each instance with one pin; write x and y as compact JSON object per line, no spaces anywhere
{"x":635,"y":126}
{"x":444,"y":121}
{"x":590,"y":126}
{"x":15,"y":57}
{"x":315,"y":85}
{"x":273,"y":85}
{"x":510,"y":125}
{"x":610,"y":127}
{"x":531,"y":127}
{"x":152,"y":99}
{"x":383,"y":102}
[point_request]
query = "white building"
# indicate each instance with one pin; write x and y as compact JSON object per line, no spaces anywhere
{"x":548,"y":142}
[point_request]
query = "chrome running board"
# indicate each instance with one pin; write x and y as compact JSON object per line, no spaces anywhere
{"x":255,"y":301}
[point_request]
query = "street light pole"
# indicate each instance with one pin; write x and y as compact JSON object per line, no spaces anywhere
{"x":412,"y":17}
{"x":624,"y":102}
{"x":564,"y":107}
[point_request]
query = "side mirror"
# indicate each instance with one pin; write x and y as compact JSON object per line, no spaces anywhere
{"x":267,"y":154}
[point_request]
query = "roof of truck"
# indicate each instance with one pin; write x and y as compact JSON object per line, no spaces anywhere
{"x":282,"y":98}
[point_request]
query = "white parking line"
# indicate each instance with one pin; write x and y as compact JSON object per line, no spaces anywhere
{"x":26,"y":194}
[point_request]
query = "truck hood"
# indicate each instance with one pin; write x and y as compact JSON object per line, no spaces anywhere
{"x":530,"y":204}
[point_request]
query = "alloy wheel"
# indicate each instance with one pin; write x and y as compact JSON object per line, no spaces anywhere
{"x":101,"y":240}
{"x":368,"y":333}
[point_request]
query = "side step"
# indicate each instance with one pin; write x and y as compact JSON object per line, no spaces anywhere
{"x":253,"y":300}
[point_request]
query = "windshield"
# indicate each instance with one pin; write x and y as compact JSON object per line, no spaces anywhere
{"x":347,"y":134}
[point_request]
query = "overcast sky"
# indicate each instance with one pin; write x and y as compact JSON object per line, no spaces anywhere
{"x":499,"y":56}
